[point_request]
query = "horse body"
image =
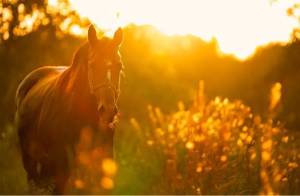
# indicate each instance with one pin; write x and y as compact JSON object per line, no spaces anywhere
{"x":50,"y":117}
{"x":54,"y":104}
{"x":32,"y":98}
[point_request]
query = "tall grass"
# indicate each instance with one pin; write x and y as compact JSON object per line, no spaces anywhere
{"x":213,"y":147}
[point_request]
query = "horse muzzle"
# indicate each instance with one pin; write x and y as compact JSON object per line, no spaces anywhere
{"x":108,"y":117}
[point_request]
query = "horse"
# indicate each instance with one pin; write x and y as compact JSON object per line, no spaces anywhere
{"x":54,"y":103}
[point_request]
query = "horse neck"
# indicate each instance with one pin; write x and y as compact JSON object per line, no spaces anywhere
{"x":78,"y":70}
{"x":74,"y":83}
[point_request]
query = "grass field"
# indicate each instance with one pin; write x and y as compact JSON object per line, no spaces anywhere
{"x":213,"y":146}
{"x":237,"y":131}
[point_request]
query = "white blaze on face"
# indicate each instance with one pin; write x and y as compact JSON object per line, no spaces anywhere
{"x":238,"y":25}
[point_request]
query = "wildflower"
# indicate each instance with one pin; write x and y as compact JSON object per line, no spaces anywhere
{"x":275,"y":95}
{"x":135,"y":124}
{"x":199,"y":168}
{"x":199,"y":138}
{"x":107,"y":183}
{"x":226,"y":135}
{"x":109,"y":167}
{"x":223,"y":158}
{"x":243,"y":136}
{"x":249,"y":139}
{"x":266,"y":156}
{"x":239,"y":143}
{"x":253,"y":156}
{"x":78,"y":183}
{"x":150,"y":142}
{"x":267,"y":145}
{"x":189,"y":145}
{"x":285,"y":139}
{"x":181,"y":106}
{"x":293,"y":165}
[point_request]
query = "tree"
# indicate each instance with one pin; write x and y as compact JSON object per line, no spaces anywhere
{"x":21,"y":17}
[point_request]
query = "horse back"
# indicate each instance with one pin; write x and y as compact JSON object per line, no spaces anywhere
{"x":33,"y":78}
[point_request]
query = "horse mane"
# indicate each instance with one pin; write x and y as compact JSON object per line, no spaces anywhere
{"x":65,"y":81}
{"x":80,"y":56}
{"x":69,"y":78}
{"x":70,"y":85}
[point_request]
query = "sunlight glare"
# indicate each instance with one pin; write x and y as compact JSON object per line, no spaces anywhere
{"x":53,"y":2}
{"x":76,"y":30}
{"x":238,"y":25}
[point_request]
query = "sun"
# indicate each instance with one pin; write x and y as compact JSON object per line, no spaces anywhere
{"x":240,"y":26}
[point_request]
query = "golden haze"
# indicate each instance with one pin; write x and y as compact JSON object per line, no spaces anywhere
{"x":238,"y":25}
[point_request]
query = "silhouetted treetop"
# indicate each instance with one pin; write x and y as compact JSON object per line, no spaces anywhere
{"x":20,"y":17}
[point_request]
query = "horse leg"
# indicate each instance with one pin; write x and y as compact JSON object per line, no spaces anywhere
{"x":62,"y":174}
{"x":30,"y":167}
{"x":29,"y":164}
{"x":61,"y":180}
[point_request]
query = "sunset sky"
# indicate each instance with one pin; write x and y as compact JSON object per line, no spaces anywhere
{"x":239,"y":25}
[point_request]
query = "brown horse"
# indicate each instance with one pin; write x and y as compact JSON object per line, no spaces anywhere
{"x":55,"y":103}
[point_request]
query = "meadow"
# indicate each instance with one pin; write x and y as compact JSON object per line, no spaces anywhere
{"x":193,"y":120}
{"x":213,"y":146}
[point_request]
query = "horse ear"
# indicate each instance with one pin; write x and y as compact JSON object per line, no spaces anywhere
{"x":92,"y":35}
{"x":118,"y":36}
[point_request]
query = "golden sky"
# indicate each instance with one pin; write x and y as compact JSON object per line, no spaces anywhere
{"x":238,"y":25}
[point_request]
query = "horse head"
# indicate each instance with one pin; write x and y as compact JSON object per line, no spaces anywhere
{"x":104,"y":73}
